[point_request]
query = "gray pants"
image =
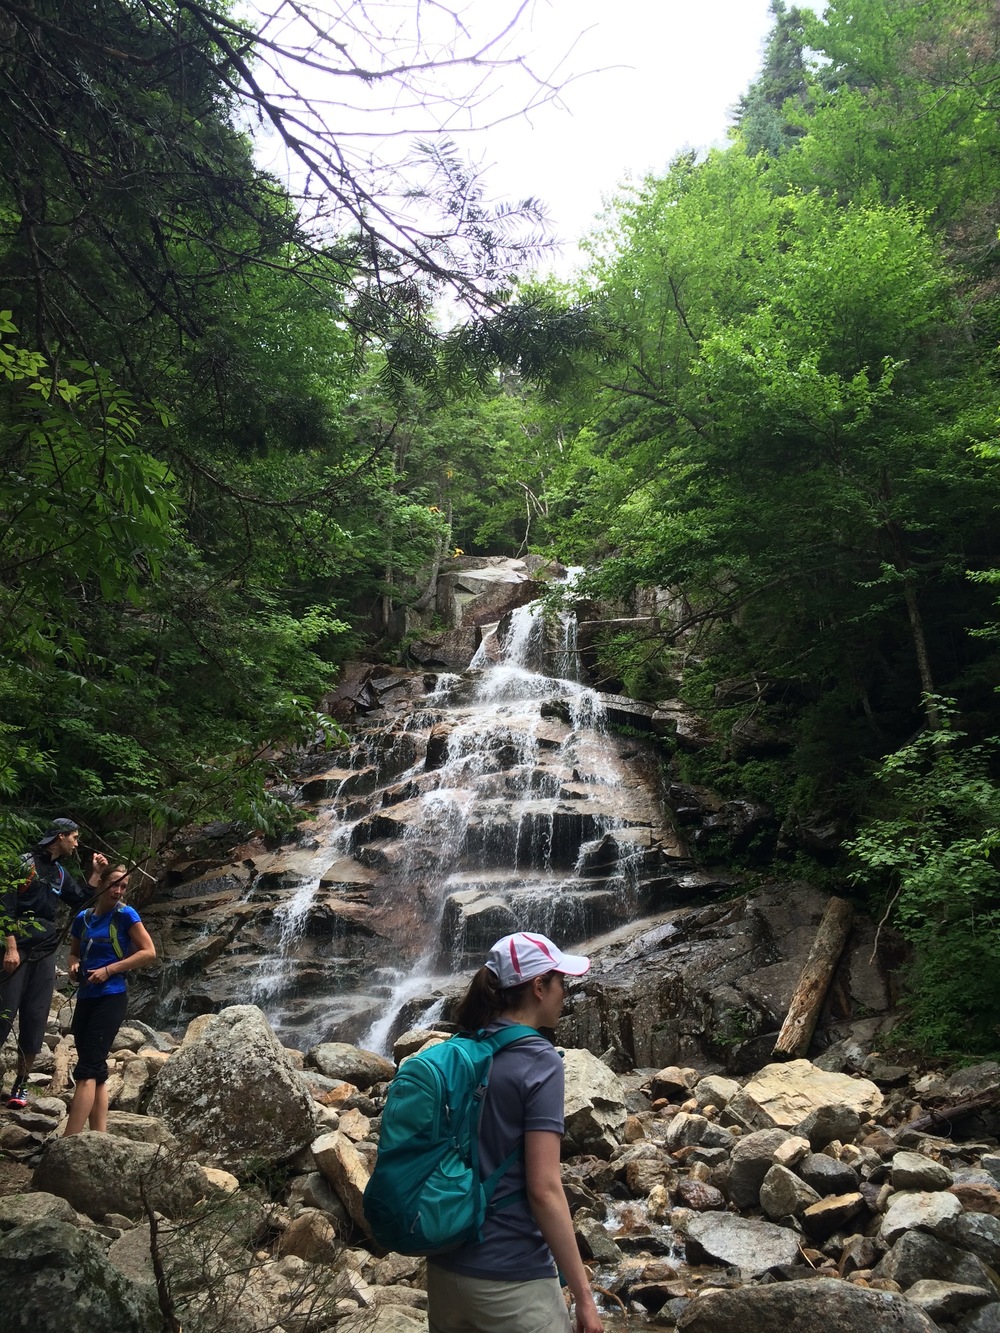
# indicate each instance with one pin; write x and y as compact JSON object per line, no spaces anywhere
{"x":27,"y":995}
{"x":460,"y":1304}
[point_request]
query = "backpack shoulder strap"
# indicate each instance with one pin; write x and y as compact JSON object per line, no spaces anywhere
{"x":508,"y":1036}
{"x":113,"y":934}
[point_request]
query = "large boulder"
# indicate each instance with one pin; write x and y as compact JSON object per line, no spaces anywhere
{"x":16,"y":1210}
{"x":54,"y":1277}
{"x":231,"y":1094}
{"x":100,"y":1174}
{"x":929,"y":1210}
{"x":917,"y":1256}
{"x":385,"y":1319}
{"x":742,"y":1242}
{"x":803,"y":1307}
{"x":783,"y":1194}
{"x":353,"y":1064}
{"x":752,"y":1158}
{"x":344,"y":1167}
{"x":595,"y":1105}
{"x":785,"y":1095}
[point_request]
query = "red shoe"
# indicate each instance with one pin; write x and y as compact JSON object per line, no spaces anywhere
{"x":18,"y":1097}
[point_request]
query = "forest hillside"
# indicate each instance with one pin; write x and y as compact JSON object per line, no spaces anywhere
{"x":236,"y":439}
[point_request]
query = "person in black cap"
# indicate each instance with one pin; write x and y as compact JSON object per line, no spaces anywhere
{"x":28,"y":978}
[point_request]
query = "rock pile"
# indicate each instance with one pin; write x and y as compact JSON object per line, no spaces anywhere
{"x":800,"y":1198}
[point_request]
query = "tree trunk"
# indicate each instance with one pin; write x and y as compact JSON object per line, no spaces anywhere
{"x":800,"y":1022}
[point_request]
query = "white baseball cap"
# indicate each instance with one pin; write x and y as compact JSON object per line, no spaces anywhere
{"x":521,"y":957}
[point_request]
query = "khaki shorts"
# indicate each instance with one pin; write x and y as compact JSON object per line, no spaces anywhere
{"x":460,"y":1304}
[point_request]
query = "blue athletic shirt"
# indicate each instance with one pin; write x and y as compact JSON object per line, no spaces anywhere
{"x":97,"y":951}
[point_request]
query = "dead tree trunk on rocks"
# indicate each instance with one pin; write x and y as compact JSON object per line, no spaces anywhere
{"x":800,"y":1022}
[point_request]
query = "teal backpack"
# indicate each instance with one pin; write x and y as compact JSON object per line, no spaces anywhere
{"x":426,"y":1194}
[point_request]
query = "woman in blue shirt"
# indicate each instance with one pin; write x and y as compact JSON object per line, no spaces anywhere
{"x":507,"y":1283}
{"x":108,"y":940}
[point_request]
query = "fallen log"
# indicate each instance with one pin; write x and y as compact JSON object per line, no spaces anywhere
{"x":939,"y":1120}
{"x":807,"y":1001}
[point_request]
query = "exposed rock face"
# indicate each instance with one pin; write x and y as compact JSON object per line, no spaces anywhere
{"x":233,"y":1094}
{"x":474,"y":805}
{"x":712,"y":983}
{"x":54,"y":1276}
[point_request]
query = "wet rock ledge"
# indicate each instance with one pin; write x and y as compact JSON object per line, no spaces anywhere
{"x":857,"y":1196}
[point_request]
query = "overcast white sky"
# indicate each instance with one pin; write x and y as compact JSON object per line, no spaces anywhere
{"x":681,"y":64}
{"x":641,"y":80}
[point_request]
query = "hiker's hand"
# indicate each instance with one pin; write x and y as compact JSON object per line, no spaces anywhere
{"x":587,"y":1318}
{"x":11,"y":959}
{"x":74,"y":968}
{"x":98,"y":862}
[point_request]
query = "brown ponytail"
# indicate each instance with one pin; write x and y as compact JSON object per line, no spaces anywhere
{"x":485,"y":1000}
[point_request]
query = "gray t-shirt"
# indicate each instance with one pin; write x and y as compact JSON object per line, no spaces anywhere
{"x":526,"y":1092}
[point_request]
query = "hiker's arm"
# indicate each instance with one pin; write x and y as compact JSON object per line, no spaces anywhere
{"x":8,"y":912}
{"x":74,"y":958}
{"x":144,"y":951}
{"x":550,"y":1210}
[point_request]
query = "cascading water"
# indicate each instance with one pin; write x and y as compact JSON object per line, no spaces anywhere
{"x":498,"y":802}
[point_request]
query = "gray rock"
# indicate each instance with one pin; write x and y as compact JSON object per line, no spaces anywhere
{"x":945,"y":1301}
{"x":803,"y":1307}
{"x":671,"y":1082}
{"x":100,"y":1174}
{"x":974,"y":1079}
{"x":783,"y":1194}
{"x":385,"y":1319}
{"x":746,"y":1243}
{"x":751,"y":1160}
{"x":18,"y":1209}
{"x":914,"y":1171}
{"x":828,"y":1123}
{"x":128,"y":1038}
{"x":595,"y":1104}
{"x":716,"y":1136}
{"x":313,"y":1190}
{"x":54,"y":1277}
{"x":684,"y":1131}
{"x":132,"y":1256}
{"x":594,"y":1242}
{"x":828,"y":1176}
{"x":338,"y":1059}
{"x":917,"y":1255}
{"x":916,"y":1208}
{"x":788,"y":1095}
{"x":141,"y":1129}
{"x":231,"y":1094}
{"x":985,"y":1320}
{"x":979,"y":1233}
{"x":991,"y":1164}
{"x":714,"y":1090}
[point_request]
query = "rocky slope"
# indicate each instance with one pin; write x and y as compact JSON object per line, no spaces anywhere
{"x":818,"y":1194}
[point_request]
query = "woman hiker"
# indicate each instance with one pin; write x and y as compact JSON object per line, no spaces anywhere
{"x":508,"y":1282}
{"x":108,"y":940}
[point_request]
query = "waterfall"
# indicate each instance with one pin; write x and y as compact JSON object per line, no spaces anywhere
{"x":497,"y":802}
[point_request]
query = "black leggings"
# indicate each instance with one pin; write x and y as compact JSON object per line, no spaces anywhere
{"x":95,"y":1026}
